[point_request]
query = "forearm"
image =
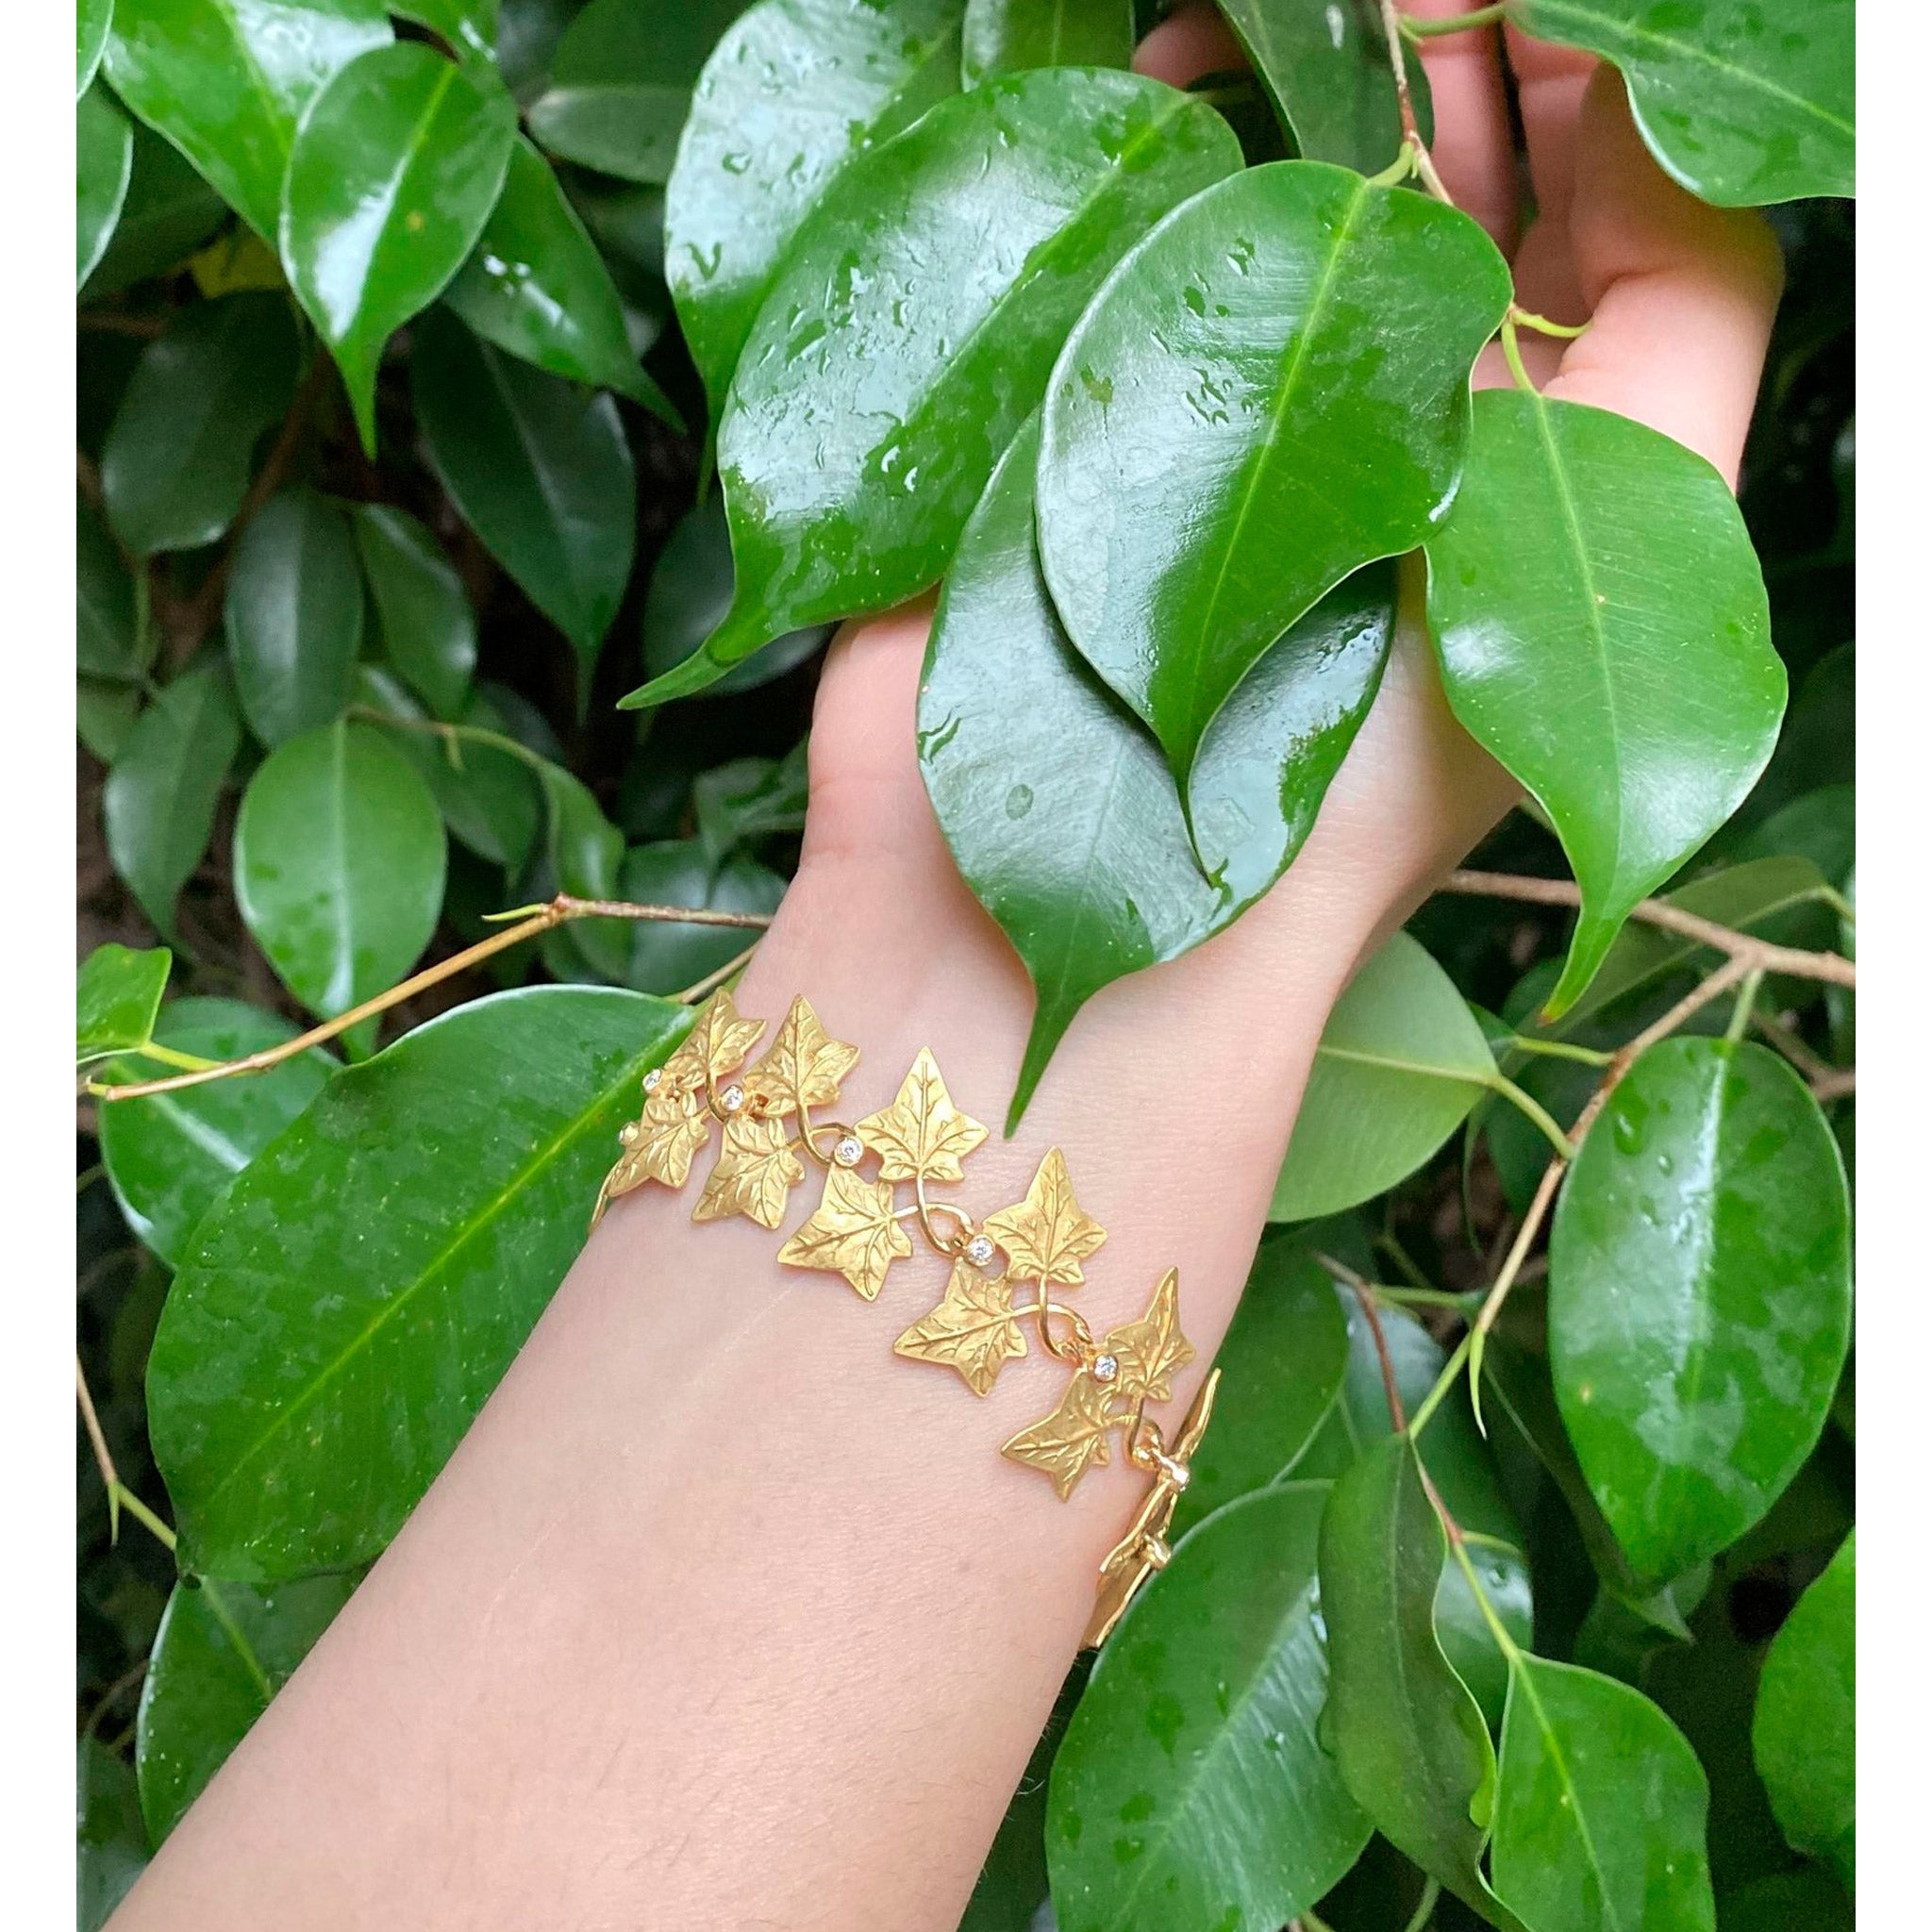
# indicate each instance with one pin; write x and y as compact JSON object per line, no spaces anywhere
{"x":721,"y":1615}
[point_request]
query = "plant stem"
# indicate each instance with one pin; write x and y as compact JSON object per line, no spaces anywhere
{"x":455,"y":734}
{"x":1411,"y":129}
{"x":1425,"y":1906}
{"x":1372,"y":1316}
{"x":1814,"y":1066}
{"x":1741,"y":1011}
{"x":1419,"y":1421}
{"x":1533,"y":1111}
{"x":145,"y":1517}
{"x":1559,"y":1050}
{"x":717,"y":978}
{"x":1512,"y":354}
{"x":104,"y":1459}
{"x":1416,"y":28}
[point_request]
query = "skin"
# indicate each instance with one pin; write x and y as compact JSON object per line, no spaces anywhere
{"x":723,"y":1616}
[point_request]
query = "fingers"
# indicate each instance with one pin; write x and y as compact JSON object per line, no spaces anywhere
{"x":1680,"y":294}
{"x":1190,"y":42}
{"x":1473,"y":149}
{"x":1550,"y":86}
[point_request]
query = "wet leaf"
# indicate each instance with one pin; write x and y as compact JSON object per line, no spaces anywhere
{"x":1009,"y":36}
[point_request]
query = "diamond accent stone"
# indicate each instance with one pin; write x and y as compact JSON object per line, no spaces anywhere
{"x":732,"y":1099}
{"x":849,"y":1152}
{"x":1106,"y":1368}
{"x":652,"y":1078}
{"x":980,"y":1250}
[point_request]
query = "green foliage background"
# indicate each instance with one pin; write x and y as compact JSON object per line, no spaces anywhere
{"x":377,"y":526}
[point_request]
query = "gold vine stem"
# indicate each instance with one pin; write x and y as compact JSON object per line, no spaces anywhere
{"x":539,"y":919}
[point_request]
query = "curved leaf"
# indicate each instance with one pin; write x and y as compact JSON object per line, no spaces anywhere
{"x":1700,"y":1296}
{"x":112,"y":1847}
{"x":168,"y":210}
{"x":226,"y":81}
{"x":220,"y":1654}
{"x":1602,"y":629}
{"x":117,"y":994}
{"x":1192,"y":1787}
{"x":1743,"y":103}
{"x":790,"y":94}
{"x":293,"y":615}
{"x":103,"y":155}
{"x":94,"y":17}
{"x":1269,"y":392}
{"x":393,"y":174}
{"x":910,"y":329}
{"x":170,"y":1155}
{"x":295,"y":1430}
{"x":1009,"y":36}
{"x":108,"y":641}
{"x":428,"y":629}
{"x":339,"y":864}
{"x":541,"y":471}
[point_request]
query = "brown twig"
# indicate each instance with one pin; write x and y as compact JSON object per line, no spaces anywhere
{"x":1839,"y":1084}
{"x":561,"y":908}
{"x":1411,"y":127}
{"x":104,"y":1457}
{"x":1364,"y":1294}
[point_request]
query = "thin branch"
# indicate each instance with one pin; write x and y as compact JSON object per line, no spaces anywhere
{"x":540,"y":920}
{"x":711,"y":980}
{"x":1814,"y":1066}
{"x":104,"y":1459}
{"x":1364,"y":1294}
{"x":1411,"y":129}
{"x":1839,"y":1084}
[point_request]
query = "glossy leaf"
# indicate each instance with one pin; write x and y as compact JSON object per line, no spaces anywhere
{"x":667,"y":957}
{"x":223,"y":1651}
{"x":104,"y":152}
{"x":910,"y":329}
{"x":167,"y":212}
{"x":751,"y":799}
{"x":103,"y":716}
{"x":1009,"y":36}
{"x":159,"y":799}
{"x":107,"y":639}
{"x":1600,"y":1808}
{"x":1604,"y":634}
{"x":1803,"y":1734}
{"x":178,"y":456}
{"x":296,"y":1430}
{"x":1741,"y":103}
{"x":536,"y":286}
{"x":1326,"y":70}
{"x":540,"y":470}
{"x":112,"y":1847}
{"x":1700,"y":1296}
{"x":339,"y":864}
{"x":1400,"y":1063}
{"x":1060,"y":809}
{"x":226,"y":81}
{"x":394,"y":172}
{"x":1193,"y":1787}
{"x":791,"y":92}
{"x":93,"y":20}
{"x":1281,"y":1364}
{"x":117,"y":994}
{"x":1421,"y":1764}
{"x":621,"y":83}
{"x":293,"y":615}
{"x":170,"y":1156}
{"x":428,"y":629}
{"x":1297,"y":346}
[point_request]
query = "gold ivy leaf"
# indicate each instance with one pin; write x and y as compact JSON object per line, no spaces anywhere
{"x":659,"y":1145}
{"x":1150,"y":1350}
{"x":922,"y":1133}
{"x":851,"y":1233}
{"x":755,"y":1173}
{"x":803,"y":1063}
{"x":973,"y":1329}
{"x":1066,"y":1444}
{"x":716,"y":1044}
{"x":1046,"y":1236}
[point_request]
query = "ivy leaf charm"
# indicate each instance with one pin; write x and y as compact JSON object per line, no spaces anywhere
{"x":1046,"y":1236}
{"x":755,"y":1173}
{"x":1066,"y":1444}
{"x":660,"y":1143}
{"x":974,"y":1329}
{"x":851,"y":1233}
{"x":716,"y":1045}
{"x":802,"y":1066}
{"x":922,"y":1134}
{"x":1150,"y":1350}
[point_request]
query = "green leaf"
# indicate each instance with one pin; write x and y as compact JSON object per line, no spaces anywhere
{"x":168,"y":210}
{"x":750,"y":799}
{"x":1326,"y":70}
{"x":170,"y":1157}
{"x":1602,"y":624}
{"x":1600,"y":1808}
{"x":394,"y":172}
{"x":1270,"y":391}
{"x":160,"y":798}
{"x":1741,"y":103}
{"x":339,"y":864}
{"x":226,"y":81}
{"x":1803,"y":1736}
{"x":1192,"y":1789}
{"x":117,"y":994}
{"x":1060,"y":810}
{"x":666,"y":958}
{"x":468,"y":25}
{"x":1810,"y":1898}
{"x":1281,"y":1370}
{"x":297,"y":1429}
{"x":112,"y":1847}
{"x":910,"y":329}
{"x":621,"y":83}
{"x":791,"y":92}
{"x":103,"y":716}
{"x":104,"y":154}
{"x":1007,"y":36}
{"x":107,"y":639}
{"x":540,"y":470}
{"x":1010,"y":1890}
{"x":293,"y":614}
{"x":536,"y":286}
{"x":1400,"y":1063}
{"x":220,"y":1654}
{"x":1820,"y":826}
{"x":690,"y":594}
{"x":1419,"y":1763}
{"x":176,"y":463}
{"x":1700,"y":1296}
{"x":93,"y":18}
{"x":428,"y":629}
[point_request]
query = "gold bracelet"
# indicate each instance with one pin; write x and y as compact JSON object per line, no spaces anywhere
{"x":859,"y":1230}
